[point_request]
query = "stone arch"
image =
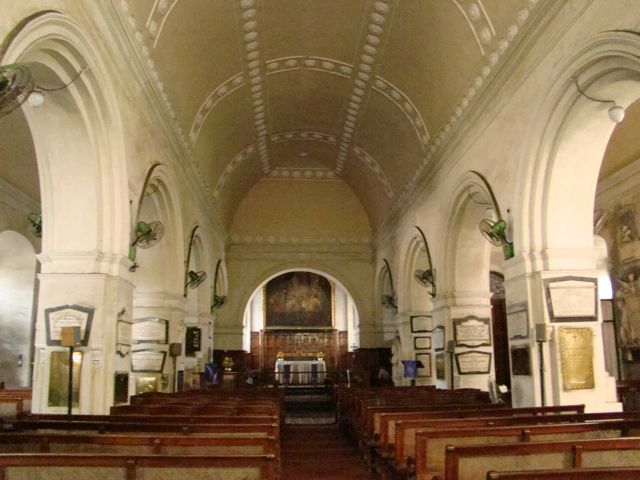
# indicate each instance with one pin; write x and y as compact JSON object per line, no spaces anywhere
{"x":569,"y":143}
{"x":162,"y":266}
{"x":467,"y":260}
{"x":414,"y":297}
{"x":83,"y":149}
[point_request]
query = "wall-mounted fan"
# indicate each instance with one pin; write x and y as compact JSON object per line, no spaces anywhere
{"x":16,"y":84}
{"x":389,"y":301}
{"x":148,"y":234}
{"x":218,"y":300}
{"x":497,"y":232}
{"x":35,"y":223}
{"x":426,"y":277}
{"x":196,"y":278}
{"x":494,"y":232}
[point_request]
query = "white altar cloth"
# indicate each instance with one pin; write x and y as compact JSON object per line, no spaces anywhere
{"x":301,"y":372}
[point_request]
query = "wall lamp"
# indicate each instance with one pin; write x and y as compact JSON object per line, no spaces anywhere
{"x":616,"y":112}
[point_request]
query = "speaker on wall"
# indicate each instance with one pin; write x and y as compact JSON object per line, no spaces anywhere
{"x":541,"y":332}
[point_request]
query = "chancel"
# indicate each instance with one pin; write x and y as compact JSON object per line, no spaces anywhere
{"x":255,"y":214}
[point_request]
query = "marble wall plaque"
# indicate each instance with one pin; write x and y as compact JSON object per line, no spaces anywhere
{"x":473,"y":362}
{"x":421,"y":324}
{"x":59,"y":379}
{"x":150,"y":330}
{"x":521,"y":360}
{"x":572,"y":299}
{"x":472,"y":331}
{"x":421,"y":343}
{"x":68,"y":316}
{"x":425,"y":371}
{"x":518,"y":321}
{"x":437,"y":338}
{"x":576,"y":358}
{"x":440,"y":366}
{"x":147,"y":360}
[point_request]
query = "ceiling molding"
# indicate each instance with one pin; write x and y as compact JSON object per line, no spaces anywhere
{"x":311,"y":136}
{"x":479,"y":22}
{"x":158,"y":16}
{"x":131,"y":43}
{"x":255,"y":76}
{"x":375,"y":19}
{"x":305,"y":174}
{"x":317,"y":64}
{"x":475,"y":91}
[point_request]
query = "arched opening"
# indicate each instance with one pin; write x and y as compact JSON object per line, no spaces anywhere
{"x":83,"y":190}
{"x":466,"y":286}
{"x":17,"y":282}
{"x":299,"y":314}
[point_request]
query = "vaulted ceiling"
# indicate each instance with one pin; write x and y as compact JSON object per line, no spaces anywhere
{"x":363,"y":90}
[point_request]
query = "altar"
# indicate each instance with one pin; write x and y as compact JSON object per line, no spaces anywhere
{"x":300,"y":372}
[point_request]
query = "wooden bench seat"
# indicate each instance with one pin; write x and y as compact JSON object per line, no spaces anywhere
{"x":138,"y":444}
{"x":473,"y":462}
{"x":388,"y":420}
{"x":137,"y":467}
{"x":406,"y":439}
{"x":431,"y":444}
{"x":616,"y":473}
{"x":140,"y":418}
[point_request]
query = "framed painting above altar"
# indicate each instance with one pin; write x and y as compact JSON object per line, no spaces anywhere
{"x":299,"y":300}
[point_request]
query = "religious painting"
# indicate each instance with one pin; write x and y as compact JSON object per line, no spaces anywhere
{"x":299,"y":300}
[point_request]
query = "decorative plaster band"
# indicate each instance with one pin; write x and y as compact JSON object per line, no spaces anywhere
{"x":361,"y":81}
{"x":260,"y":239}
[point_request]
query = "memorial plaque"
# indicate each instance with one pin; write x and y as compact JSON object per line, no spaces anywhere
{"x":148,"y":360}
{"x":473,"y":362}
{"x":420,"y":323}
{"x":123,"y":337}
{"x":59,"y":379}
{"x":150,"y":330}
{"x":68,"y":316}
{"x":147,"y":383}
{"x":121,"y":388}
{"x":440,"y":366}
{"x":422,"y":343}
{"x":518,"y":321}
{"x":472,"y":331}
{"x":576,"y":358}
{"x":572,"y":299}
{"x":437,"y":338}
{"x":193,"y":336}
{"x":425,"y":371}
{"x":520,"y":360}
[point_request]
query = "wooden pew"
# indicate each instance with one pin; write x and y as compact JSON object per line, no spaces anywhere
{"x":473,"y":462}
{"x":268,"y":429}
{"x":430,"y":448}
{"x":191,"y":419}
{"x":613,"y":473}
{"x":134,"y":467}
{"x":138,"y":444}
{"x":388,"y":420}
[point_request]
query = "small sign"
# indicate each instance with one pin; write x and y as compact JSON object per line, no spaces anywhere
{"x":68,"y":316}
{"x":192,"y":343}
{"x":520,"y":360}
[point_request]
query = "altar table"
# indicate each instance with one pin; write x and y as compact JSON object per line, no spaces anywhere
{"x":300,"y":372}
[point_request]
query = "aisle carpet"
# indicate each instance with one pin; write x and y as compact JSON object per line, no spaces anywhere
{"x":319,"y":452}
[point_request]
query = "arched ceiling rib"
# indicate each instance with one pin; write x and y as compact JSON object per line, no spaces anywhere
{"x":382,"y":82}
